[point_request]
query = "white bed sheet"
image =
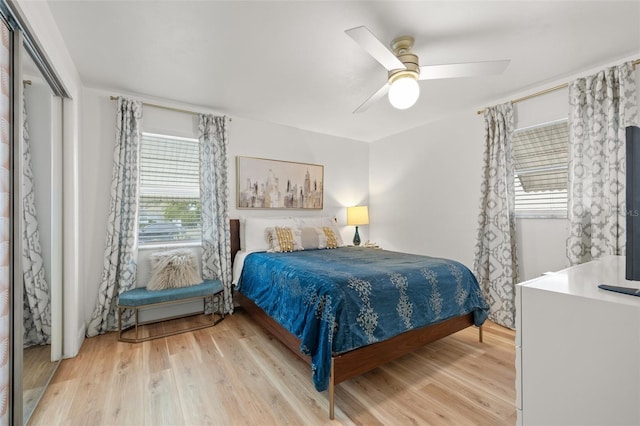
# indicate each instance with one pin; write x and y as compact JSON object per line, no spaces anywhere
{"x":238,"y":263}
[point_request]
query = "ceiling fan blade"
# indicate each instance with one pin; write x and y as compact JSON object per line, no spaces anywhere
{"x":373,"y":99}
{"x":375,"y":48}
{"x":469,"y":69}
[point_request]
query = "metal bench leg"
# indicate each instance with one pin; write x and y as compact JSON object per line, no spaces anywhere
{"x":213,"y":312}
{"x":221,"y":305}
{"x":138,"y":325}
{"x":218,"y":310}
{"x":136,"y":320}
{"x":119,"y":322}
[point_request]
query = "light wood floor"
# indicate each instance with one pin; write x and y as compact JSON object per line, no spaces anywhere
{"x":235,"y":374}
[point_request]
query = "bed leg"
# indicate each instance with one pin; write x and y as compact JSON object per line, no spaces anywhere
{"x":332,"y":390}
{"x":480,"y":334}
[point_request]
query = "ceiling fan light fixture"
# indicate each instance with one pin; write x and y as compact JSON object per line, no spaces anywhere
{"x":404,"y":91}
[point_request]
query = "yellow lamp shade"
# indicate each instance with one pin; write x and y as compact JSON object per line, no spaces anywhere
{"x":358,"y":215}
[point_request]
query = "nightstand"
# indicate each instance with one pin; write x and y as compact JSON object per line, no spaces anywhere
{"x":367,"y":246}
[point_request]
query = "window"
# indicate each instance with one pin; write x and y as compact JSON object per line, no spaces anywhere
{"x":541,"y":161}
{"x":169,"y":190}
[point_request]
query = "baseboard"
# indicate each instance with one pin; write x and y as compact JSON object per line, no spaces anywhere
{"x":77,"y":344}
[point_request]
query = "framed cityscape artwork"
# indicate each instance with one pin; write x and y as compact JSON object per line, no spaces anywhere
{"x":274,"y":184}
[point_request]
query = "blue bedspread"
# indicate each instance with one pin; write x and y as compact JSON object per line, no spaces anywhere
{"x":341,"y":299}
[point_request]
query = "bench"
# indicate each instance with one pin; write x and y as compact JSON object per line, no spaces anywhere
{"x":139,"y":298}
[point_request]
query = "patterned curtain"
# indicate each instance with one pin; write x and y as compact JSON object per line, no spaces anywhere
{"x":602,"y":106}
{"x":496,"y":263}
{"x":120,"y":253}
{"x":36,"y":299}
{"x":214,"y":195}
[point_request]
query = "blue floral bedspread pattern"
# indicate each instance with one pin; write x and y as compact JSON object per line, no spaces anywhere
{"x":341,"y":299}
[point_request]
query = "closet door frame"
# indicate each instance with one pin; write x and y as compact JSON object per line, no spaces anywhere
{"x":19,"y":53}
{"x":16,"y":398}
{"x":24,"y":44}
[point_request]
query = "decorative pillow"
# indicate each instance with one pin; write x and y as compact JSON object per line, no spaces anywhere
{"x":173,"y":269}
{"x":331,"y":237}
{"x":284,"y":239}
{"x":312,"y":238}
{"x":318,"y":238}
{"x":321,"y":222}
{"x":254,"y":231}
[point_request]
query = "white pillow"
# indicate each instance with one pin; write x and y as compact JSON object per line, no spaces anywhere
{"x":255,"y":235}
{"x":320,"y":222}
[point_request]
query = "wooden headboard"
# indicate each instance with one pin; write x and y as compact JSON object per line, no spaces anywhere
{"x":234,"y":224}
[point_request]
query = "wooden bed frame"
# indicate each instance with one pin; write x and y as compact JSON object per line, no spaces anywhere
{"x":349,"y":364}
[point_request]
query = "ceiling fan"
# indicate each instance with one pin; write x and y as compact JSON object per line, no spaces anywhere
{"x":405,"y":70}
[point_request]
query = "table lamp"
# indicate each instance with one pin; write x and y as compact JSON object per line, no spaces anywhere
{"x":358,"y":215}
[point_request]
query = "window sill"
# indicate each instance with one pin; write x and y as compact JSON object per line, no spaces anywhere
{"x":169,"y":246}
{"x":541,"y":215}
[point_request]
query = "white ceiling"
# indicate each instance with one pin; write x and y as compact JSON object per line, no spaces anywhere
{"x":290,"y":62}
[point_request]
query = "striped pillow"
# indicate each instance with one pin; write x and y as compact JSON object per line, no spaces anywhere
{"x":284,"y":239}
{"x":331,"y":237}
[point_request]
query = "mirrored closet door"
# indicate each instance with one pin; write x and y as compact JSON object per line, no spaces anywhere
{"x":31,"y":135}
{"x":7,"y":237}
{"x":40,"y":137}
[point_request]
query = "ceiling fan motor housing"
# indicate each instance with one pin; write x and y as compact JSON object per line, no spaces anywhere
{"x":401,"y":47}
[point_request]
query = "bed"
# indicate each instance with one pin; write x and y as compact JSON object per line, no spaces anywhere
{"x":347,"y":310}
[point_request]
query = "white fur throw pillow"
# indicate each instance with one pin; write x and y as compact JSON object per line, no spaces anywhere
{"x":173,"y":269}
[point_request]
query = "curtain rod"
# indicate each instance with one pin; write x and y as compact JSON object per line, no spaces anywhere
{"x":551,"y":89}
{"x":113,"y":98}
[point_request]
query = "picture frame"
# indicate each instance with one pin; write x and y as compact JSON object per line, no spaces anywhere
{"x":263,"y":183}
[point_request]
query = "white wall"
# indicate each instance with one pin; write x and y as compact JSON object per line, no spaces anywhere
{"x":346,"y":171}
{"x":425,"y":188}
{"x":425,"y":193}
{"x":346,"y":166}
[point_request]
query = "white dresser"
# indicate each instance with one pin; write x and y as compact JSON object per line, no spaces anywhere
{"x":578,"y":348}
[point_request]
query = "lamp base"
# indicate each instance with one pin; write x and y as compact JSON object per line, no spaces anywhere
{"x":356,"y":238}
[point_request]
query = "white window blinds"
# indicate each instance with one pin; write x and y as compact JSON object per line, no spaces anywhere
{"x":540,"y":155}
{"x":169,"y":189}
